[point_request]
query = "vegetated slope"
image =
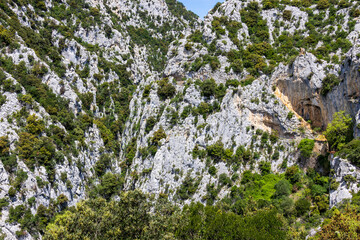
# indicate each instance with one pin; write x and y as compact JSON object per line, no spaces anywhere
{"x":100,"y":97}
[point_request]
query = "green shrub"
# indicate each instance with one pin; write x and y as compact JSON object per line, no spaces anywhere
{"x":283,"y":188}
{"x":302,"y":206}
{"x":323,"y":4}
{"x":110,"y":184}
{"x":12,"y":192}
{"x":34,"y":125}
{"x":287,"y":14}
{"x":101,"y":165}
{"x":130,"y":151}
{"x":293,"y":174}
{"x":212,"y":170}
{"x":224,"y":180}
{"x":166,"y":90}
{"x":208,"y":88}
{"x":158,"y":135}
{"x":265,"y":167}
{"x":329,"y":82}
{"x":188,"y":187}
{"x":306,"y":147}
{"x":290,"y":115}
{"x":339,"y":131}
{"x":351,"y":152}
{"x":3,"y":203}
{"x":150,"y":123}
{"x":232,"y":83}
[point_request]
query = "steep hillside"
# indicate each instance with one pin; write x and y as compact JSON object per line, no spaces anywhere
{"x":103,"y":97}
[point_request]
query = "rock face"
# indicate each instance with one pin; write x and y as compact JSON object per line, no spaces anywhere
{"x":94,"y":77}
{"x":301,"y":83}
{"x":343,"y":172}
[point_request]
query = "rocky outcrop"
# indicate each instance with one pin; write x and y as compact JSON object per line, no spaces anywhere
{"x":301,"y":83}
{"x":348,"y":176}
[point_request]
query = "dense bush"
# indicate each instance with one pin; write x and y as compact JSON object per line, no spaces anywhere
{"x":166,"y":90}
{"x":344,"y":225}
{"x":351,"y":152}
{"x":329,"y":82}
{"x":9,"y":161}
{"x":306,"y":147}
{"x":339,"y":131}
{"x":257,"y":27}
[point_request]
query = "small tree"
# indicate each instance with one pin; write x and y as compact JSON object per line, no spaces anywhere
{"x":306,"y":147}
{"x":339,"y":131}
{"x":323,"y":4}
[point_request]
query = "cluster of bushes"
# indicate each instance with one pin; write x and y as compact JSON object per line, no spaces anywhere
{"x":306,"y":147}
{"x":252,"y":58}
{"x":328,"y":83}
{"x":217,"y":153}
{"x":339,"y":131}
{"x":209,"y":88}
{"x":166,"y":90}
{"x":35,"y":224}
{"x":263,"y":205}
{"x":231,"y":25}
{"x":8,"y":160}
{"x":257,"y":27}
{"x":188,"y":187}
{"x":350,"y":151}
{"x":130,"y":217}
{"x":157,"y":47}
{"x":206,"y":59}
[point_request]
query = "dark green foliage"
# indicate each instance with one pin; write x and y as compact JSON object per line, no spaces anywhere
{"x":212,"y":223}
{"x":9,"y":161}
{"x":212,"y":170}
{"x":323,"y":4}
{"x":166,"y":90}
{"x":110,"y":184}
{"x":3,"y":203}
{"x":351,"y":151}
{"x":233,"y":83}
{"x":258,"y":29}
{"x":224,"y":180}
{"x":186,"y":112}
{"x":12,"y":192}
{"x":197,"y":37}
{"x":188,"y":187}
{"x":329,"y":82}
{"x":292,"y":174}
{"x":237,"y":66}
{"x":283,"y":188}
{"x":302,"y":206}
{"x":157,"y":47}
{"x":36,"y":151}
{"x":131,"y":213}
{"x":21,"y":177}
{"x":208,"y":88}
{"x":287,"y":14}
{"x":179,"y":10}
{"x":216,"y":7}
{"x":150,"y":123}
{"x":306,"y":147}
{"x":103,"y":164}
{"x":317,"y":190}
{"x":130,"y":152}
{"x":265,"y":167}
{"x":217,"y":152}
{"x":158,"y":135}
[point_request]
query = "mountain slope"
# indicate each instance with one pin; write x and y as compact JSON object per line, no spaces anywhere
{"x":102,"y":96}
